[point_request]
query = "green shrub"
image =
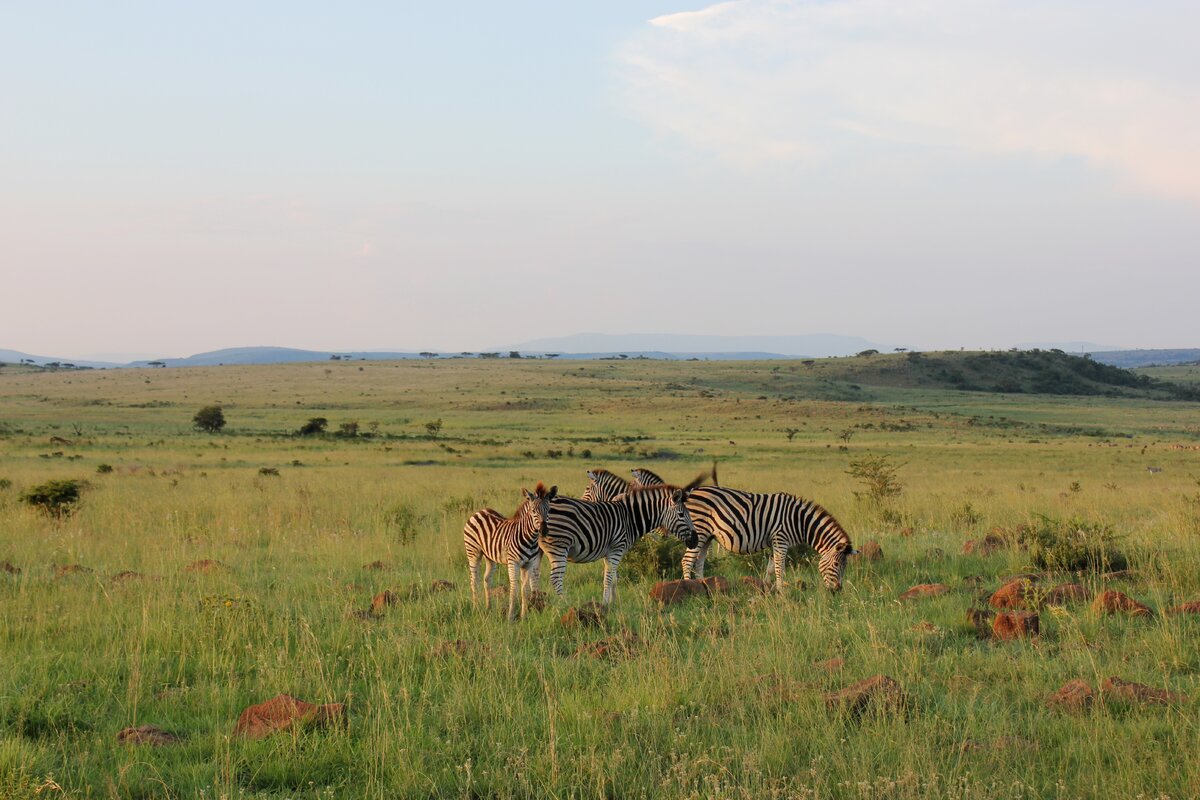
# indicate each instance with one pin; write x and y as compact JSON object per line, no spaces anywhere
{"x":269,"y":471}
{"x":209,"y":419}
{"x":653,"y":558}
{"x":402,"y":519}
{"x":5,"y":483}
{"x":313,"y":427}
{"x":1072,"y":545}
{"x":104,"y":469}
{"x":57,"y":498}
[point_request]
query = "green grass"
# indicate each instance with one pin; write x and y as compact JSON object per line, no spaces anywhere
{"x":720,"y":700}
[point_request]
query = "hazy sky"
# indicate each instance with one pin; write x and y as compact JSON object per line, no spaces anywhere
{"x":935,"y":173}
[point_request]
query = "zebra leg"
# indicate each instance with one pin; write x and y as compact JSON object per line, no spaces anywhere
{"x":779,"y":557}
{"x":473,"y":569}
{"x":610,"y":577}
{"x":558,"y":572}
{"x":534,"y":571}
{"x":514,"y":580}
{"x":701,"y":555}
{"x":488,"y":566}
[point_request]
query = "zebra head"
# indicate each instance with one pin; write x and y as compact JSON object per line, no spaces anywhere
{"x":677,"y":521}
{"x":604,"y":486}
{"x":537,"y":504}
{"x":644,"y":477}
{"x":832,"y":565}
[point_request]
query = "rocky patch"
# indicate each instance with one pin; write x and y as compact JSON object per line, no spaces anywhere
{"x":284,"y":712}
{"x":1015,"y":625}
{"x":924,"y":590}
{"x":1111,"y":601}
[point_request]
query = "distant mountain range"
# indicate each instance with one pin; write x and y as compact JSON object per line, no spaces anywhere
{"x":597,"y":346}
{"x":817,"y":345}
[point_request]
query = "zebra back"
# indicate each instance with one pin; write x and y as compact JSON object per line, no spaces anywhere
{"x":604,"y":486}
{"x":644,"y":477}
{"x":586,"y":531}
{"x":745,"y":522}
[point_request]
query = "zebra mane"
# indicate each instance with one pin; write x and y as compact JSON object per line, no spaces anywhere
{"x":816,"y":514}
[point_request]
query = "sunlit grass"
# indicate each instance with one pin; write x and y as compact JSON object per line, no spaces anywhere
{"x":720,"y":698}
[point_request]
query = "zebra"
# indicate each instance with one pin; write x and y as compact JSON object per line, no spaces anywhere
{"x":490,"y":537}
{"x":605,"y":485}
{"x":744,"y":522}
{"x":581,"y":531}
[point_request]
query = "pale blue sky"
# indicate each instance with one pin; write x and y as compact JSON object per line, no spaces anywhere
{"x":177,"y":178}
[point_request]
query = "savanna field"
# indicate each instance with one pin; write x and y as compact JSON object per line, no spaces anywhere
{"x":717,"y":696}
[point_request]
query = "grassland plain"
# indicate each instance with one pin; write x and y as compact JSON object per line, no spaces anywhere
{"x":721,"y":697}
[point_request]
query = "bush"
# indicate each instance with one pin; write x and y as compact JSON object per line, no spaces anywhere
{"x":878,"y":475}
{"x":104,"y":469}
{"x":57,"y":498}
{"x":209,"y":419}
{"x":313,"y":427}
{"x":652,"y":558}
{"x":5,"y":483}
{"x":403,"y":520}
{"x":269,"y":471}
{"x":348,"y":430}
{"x":1072,"y":545}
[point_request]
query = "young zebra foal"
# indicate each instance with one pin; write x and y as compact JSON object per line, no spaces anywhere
{"x":490,"y":537}
{"x":581,"y":531}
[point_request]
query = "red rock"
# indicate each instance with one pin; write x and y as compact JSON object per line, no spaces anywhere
{"x":623,"y":644}
{"x":208,"y":565}
{"x":1074,"y":695}
{"x":284,"y":712}
{"x":1067,"y":593}
{"x":1111,"y":601}
{"x":129,"y":576}
{"x":441,"y":586}
{"x":383,"y":600}
{"x":7,"y":566}
{"x":923,"y":590}
{"x":716,"y":585}
{"x":1015,"y":625}
{"x":985,"y":546}
{"x":668,"y":592}
{"x":461,"y":648}
{"x":148,"y":734}
{"x":375,"y":565}
{"x":1014,"y":594}
{"x":1187,"y":608}
{"x":981,"y":620}
{"x":871,"y":551}
{"x":536,"y":600}
{"x":756,"y":584}
{"x":62,"y":570}
{"x":832,"y":665}
{"x":1139,"y":694}
{"x":588,"y":615}
{"x":880,"y":694}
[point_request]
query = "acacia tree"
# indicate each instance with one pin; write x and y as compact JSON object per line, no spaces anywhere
{"x":209,"y":419}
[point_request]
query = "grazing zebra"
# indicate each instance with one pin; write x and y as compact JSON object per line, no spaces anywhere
{"x":605,"y":485}
{"x":743,"y":522}
{"x":490,"y":537}
{"x":581,"y":531}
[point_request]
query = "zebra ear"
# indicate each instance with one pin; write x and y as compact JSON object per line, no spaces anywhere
{"x":552,"y":493}
{"x":526,"y":493}
{"x":679,"y":495}
{"x":854,"y":552}
{"x":591,"y":475}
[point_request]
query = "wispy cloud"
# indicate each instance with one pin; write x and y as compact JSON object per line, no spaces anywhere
{"x":1114,"y":83}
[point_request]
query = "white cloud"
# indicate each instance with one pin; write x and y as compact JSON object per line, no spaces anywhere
{"x":762,"y":81}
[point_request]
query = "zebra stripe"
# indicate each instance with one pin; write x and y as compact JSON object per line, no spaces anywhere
{"x":582,"y":531}
{"x":604,"y":486}
{"x":743,"y":522}
{"x":494,"y":539}
{"x":644,"y":477}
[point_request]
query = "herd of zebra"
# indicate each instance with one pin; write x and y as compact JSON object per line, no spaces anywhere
{"x":613,"y":514}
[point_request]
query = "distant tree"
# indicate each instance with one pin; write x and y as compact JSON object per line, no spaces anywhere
{"x":870,"y":352}
{"x":313,"y":427}
{"x":348,"y":430}
{"x":466,"y":353}
{"x":209,"y":419}
{"x":901,"y":350}
{"x":433,"y":428}
{"x":514,"y":353}
{"x":552,"y":355}
{"x":335,"y":357}
{"x":57,"y":498}
{"x":428,"y":354}
{"x":489,"y":355}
